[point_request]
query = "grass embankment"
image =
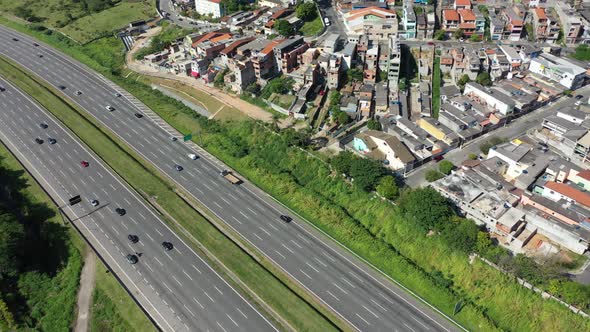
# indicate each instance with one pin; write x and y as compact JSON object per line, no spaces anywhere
{"x":79,"y":21}
{"x":45,"y":295}
{"x":112,"y":308}
{"x":312,"y":28}
{"x":436,"y":87}
{"x":142,"y":176}
{"x":373,"y":229}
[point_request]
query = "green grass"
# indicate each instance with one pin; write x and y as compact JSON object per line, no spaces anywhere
{"x":436,"y":87}
{"x":112,"y":308}
{"x":313,"y":27}
{"x":105,"y":22}
{"x":80,"y":25}
{"x":142,"y":177}
{"x":284,"y":101}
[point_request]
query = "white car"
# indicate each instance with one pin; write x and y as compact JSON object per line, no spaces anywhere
{"x":578,"y":103}
{"x":94,"y":202}
{"x":110,"y":108}
{"x":192,"y":156}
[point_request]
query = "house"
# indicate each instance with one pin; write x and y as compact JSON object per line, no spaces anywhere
{"x":373,"y":22}
{"x":558,"y":69}
{"x":570,"y":21}
{"x":437,"y":130}
{"x":409,"y":21}
{"x":545,"y":27}
{"x":467,"y":21}
{"x":494,"y":99}
{"x":263,"y":58}
{"x":287,"y":53}
{"x":210,"y":7}
{"x":241,"y":70}
{"x":232,"y":49}
{"x":462,"y":4}
{"x":384,"y":147}
{"x":366,"y":100}
{"x":514,"y":24}
{"x":393,"y":67}
{"x":269,"y":3}
{"x":349,"y":56}
{"x":451,"y":20}
{"x":561,"y":191}
{"x":331,"y":43}
{"x":496,"y":26}
{"x":333,"y":79}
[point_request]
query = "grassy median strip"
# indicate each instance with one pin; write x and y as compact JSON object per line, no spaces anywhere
{"x":277,"y":293}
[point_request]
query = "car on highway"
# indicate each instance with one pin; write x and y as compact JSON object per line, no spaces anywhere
{"x":15,"y":39}
{"x":138,"y":115}
{"x":2,"y":89}
{"x":132,"y":259}
{"x":117,"y":94}
{"x":62,"y":87}
{"x":51,"y":140}
{"x":133,"y":238}
{"x":94,"y":202}
{"x":193,"y":156}
{"x":40,"y":55}
{"x":167,"y":246}
{"x":84,"y":163}
{"x":286,"y":218}
{"x":43,"y":125}
{"x":38,"y":140}
{"x":35,"y":44}
{"x":120,"y":211}
{"x":173,"y":139}
{"x":110,"y":108}
{"x":178,"y":168}
{"x":78,"y":92}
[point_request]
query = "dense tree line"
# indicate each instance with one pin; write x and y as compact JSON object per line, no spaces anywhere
{"x":39,"y":268}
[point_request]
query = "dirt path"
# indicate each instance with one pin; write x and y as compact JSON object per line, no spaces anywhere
{"x":252,"y":111}
{"x":85,"y":292}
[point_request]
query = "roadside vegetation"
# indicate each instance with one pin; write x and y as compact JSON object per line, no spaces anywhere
{"x":436,"y":83}
{"x":261,"y":279}
{"x":165,"y":38}
{"x":82,"y":20}
{"x":419,"y":241}
{"x":40,"y":259}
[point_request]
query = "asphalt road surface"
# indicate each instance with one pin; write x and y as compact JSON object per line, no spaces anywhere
{"x":177,"y":288}
{"x":360,"y":295}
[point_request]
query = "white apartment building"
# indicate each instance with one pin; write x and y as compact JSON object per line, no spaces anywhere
{"x":209,"y":7}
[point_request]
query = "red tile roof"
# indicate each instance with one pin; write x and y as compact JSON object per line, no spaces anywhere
{"x":467,"y":26}
{"x":466,"y":15}
{"x":280,"y":13}
{"x":210,"y":36}
{"x":585,"y":174}
{"x":541,"y":13}
{"x":450,"y":15}
{"x":570,"y":192}
{"x":231,"y":48}
{"x":373,"y":10}
{"x":272,"y":45}
{"x":462,"y":3}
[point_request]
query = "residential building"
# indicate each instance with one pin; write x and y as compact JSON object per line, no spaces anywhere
{"x":349,"y":55}
{"x":451,"y":20}
{"x":545,"y":27}
{"x":480,"y":21}
{"x":393,"y":69}
{"x":492,"y":98}
{"x":514,"y":24}
{"x":570,"y":21}
{"x":462,"y":4}
{"x":466,"y":21}
{"x":409,"y":21}
{"x":263,"y":59}
{"x":241,"y":73}
{"x":496,"y":26}
{"x":558,"y":69}
{"x":331,"y":43}
{"x":333,"y":79}
{"x":209,"y":7}
{"x":287,"y":53}
{"x":380,"y":146}
{"x":373,"y":22}
{"x":438,"y":131}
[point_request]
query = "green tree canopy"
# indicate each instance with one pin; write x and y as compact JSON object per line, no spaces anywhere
{"x":582,"y":53}
{"x":387,"y":187}
{"x":354,"y":74}
{"x":440,"y":35}
{"x":462,"y":81}
{"x":425,"y":208}
{"x":374,"y":124}
{"x":306,"y":11}
{"x":433,"y":175}
{"x":366,"y":173}
{"x":458,"y":34}
{"x":484,"y":79}
{"x":461,"y":234}
{"x":284,"y":28}
{"x":11,"y":236}
{"x":446,"y":167}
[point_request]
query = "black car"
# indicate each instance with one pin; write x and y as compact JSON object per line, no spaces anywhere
{"x":133,"y":238}
{"x":120,"y":211}
{"x":138,"y":115}
{"x":286,"y":218}
{"x":167,"y":246}
{"x":43,"y":125}
{"x":178,"y":167}
{"x":62,"y":87}
{"x":579,"y":97}
{"x":51,"y":140}
{"x":132,"y":259}
{"x":38,"y":140}
{"x":174,"y":139}
{"x":78,"y":92}
{"x":40,"y":55}
{"x":15,"y":39}
{"x":117,"y":94}
{"x":2,"y":89}
{"x":36,"y":45}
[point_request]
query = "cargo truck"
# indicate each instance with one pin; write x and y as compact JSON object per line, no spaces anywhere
{"x":230,"y":177}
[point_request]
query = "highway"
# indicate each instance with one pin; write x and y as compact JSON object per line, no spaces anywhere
{"x":343,"y":282}
{"x":179,"y":290}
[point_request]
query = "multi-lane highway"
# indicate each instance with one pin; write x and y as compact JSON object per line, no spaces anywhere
{"x":177,"y":288}
{"x":343,"y":282}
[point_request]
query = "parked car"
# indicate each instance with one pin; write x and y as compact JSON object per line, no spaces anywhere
{"x":132,"y":259}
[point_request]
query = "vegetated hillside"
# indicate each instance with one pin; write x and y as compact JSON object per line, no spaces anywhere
{"x":82,"y":20}
{"x":39,"y":265}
